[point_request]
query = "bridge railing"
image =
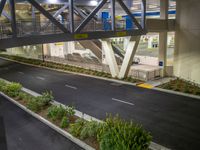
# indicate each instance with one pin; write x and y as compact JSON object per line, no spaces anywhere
{"x":30,"y":27}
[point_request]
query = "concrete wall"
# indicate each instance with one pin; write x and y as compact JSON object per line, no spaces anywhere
{"x":187,"y":47}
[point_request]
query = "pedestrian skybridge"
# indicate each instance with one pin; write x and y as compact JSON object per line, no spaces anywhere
{"x":67,"y":20}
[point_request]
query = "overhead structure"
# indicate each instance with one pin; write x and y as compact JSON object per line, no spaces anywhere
{"x":26,"y":32}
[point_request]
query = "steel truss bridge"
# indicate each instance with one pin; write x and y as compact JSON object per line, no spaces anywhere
{"x":27,"y":32}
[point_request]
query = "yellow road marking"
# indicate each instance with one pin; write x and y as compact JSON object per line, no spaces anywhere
{"x":145,"y":85}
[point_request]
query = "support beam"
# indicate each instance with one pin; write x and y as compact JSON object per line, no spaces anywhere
{"x":164,"y":7}
{"x":57,"y":13}
{"x":13,"y":18}
{"x":129,"y":55}
{"x":90,"y":16}
{"x":71,"y":15}
{"x":113,"y":14}
{"x":2,"y":4}
{"x":110,"y":57}
{"x":5,"y":14}
{"x":48,"y":15}
{"x":130,"y":14}
{"x":33,"y":19}
{"x":79,"y":12}
{"x":163,"y":51}
{"x":143,"y":15}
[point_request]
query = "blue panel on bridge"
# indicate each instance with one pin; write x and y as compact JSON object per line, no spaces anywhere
{"x":105,"y":18}
{"x":129,"y":23}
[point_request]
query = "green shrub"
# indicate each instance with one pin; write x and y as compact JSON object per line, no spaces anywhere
{"x":33,"y":105}
{"x":76,"y":128}
{"x":2,"y":85}
{"x":64,"y":122}
{"x":70,"y":111}
{"x":117,"y":134}
{"x":12,"y":89}
{"x":45,"y":99}
{"x":56,"y":112}
{"x":90,"y":129}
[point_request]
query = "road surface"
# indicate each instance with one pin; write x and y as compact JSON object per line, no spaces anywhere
{"x":173,"y":120}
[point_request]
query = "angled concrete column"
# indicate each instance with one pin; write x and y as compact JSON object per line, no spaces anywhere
{"x":164,"y":7}
{"x":110,"y":57}
{"x":129,"y":55}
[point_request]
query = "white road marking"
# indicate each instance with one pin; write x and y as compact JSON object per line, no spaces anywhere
{"x":118,"y":100}
{"x":41,"y":78}
{"x":72,"y":87}
{"x":20,"y":72}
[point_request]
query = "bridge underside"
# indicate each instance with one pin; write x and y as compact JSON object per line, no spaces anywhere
{"x":74,"y":25}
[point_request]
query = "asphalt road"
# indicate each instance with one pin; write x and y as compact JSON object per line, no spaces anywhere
{"x":172,"y":120}
{"x":20,"y":131}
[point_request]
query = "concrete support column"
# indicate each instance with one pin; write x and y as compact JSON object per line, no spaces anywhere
{"x":129,"y":55}
{"x":164,"y":7}
{"x":110,"y":57}
{"x":163,"y":51}
{"x":187,"y":41}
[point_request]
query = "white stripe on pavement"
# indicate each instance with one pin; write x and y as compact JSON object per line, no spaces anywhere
{"x":72,"y":87}
{"x":121,"y":101}
{"x":41,"y":78}
{"x":20,"y":72}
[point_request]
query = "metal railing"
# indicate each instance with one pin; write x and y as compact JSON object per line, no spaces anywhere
{"x":29,"y":27}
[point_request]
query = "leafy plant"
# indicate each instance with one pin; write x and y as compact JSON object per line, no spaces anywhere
{"x":117,"y":134}
{"x":76,"y":128}
{"x":56,"y":112}
{"x":33,"y":105}
{"x":12,"y":89}
{"x":45,"y":99}
{"x":64,"y":122}
{"x":2,"y":85}
{"x":90,"y":129}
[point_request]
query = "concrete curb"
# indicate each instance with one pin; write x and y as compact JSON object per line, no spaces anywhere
{"x":51,"y":125}
{"x":75,"y":73}
{"x":176,"y":93}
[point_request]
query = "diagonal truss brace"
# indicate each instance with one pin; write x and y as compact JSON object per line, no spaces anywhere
{"x":57,"y":13}
{"x":130,"y":14}
{"x":2,"y":4}
{"x":90,"y":16}
{"x":48,"y":15}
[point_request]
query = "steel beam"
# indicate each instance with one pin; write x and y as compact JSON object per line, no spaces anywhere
{"x":13,"y":18}
{"x":90,"y":16}
{"x":71,"y":15}
{"x":113,"y":14}
{"x":5,"y":14}
{"x":33,"y":19}
{"x":130,"y":14}
{"x":48,"y":15}
{"x":79,"y":12}
{"x":143,"y":15}
{"x":57,"y":13}
{"x":2,"y":4}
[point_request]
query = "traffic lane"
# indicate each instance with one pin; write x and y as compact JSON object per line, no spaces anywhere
{"x":167,"y":116}
{"x":24,"y":132}
{"x":3,"y":143}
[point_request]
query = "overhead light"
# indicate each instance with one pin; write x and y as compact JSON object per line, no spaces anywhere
{"x":93,"y":2}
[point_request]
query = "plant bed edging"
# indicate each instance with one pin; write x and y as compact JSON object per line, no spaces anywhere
{"x":51,"y":125}
{"x":176,"y":93}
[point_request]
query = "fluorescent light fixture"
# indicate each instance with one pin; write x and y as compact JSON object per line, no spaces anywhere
{"x":93,"y":2}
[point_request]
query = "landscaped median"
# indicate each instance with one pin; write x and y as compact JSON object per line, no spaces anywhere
{"x":183,"y":86}
{"x":65,"y":67}
{"x":112,"y":134}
